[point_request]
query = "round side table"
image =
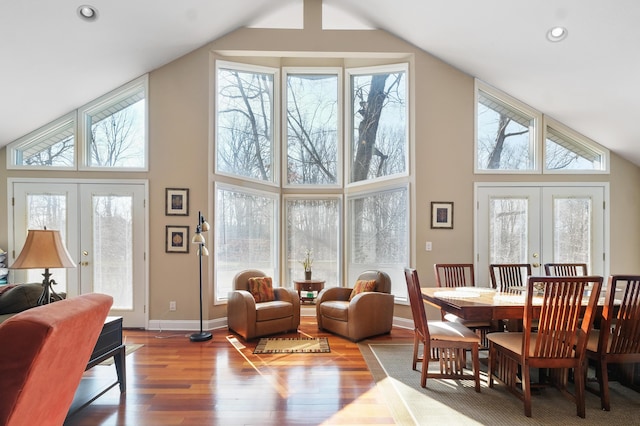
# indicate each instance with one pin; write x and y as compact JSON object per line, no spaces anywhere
{"x":305,"y":286}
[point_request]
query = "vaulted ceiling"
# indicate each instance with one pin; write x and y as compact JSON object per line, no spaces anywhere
{"x":52,"y":62}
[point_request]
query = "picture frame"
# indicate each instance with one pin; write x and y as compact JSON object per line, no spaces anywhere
{"x":441,"y":215}
{"x":176,"y":239}
{"x":176,"y":202}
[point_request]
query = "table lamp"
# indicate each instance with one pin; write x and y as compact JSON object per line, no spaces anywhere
{"x":44,"y":249}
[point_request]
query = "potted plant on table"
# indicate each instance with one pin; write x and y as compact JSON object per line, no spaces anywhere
{"x":306,"y":263}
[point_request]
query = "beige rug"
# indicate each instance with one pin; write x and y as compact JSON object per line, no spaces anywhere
{"x":451,"y":402}
{"x":285,"y":345}
{"x":128,"y":349}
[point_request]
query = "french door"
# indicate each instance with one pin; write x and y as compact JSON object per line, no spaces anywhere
{"x":103,"y":226}
{"x":540,"y":224}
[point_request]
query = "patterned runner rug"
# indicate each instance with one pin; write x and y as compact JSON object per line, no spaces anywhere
{"x":291,"y":345}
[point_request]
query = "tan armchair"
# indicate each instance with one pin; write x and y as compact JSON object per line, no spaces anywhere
{"x":367,"y":314}
{"x":250,"y":319}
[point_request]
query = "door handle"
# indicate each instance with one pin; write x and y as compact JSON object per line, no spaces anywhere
{"x":535,"y":265}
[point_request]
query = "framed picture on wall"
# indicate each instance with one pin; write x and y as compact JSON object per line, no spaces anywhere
{"x":176,"y":202}
{"x":441,"y":215}
{"x":177,"y":239}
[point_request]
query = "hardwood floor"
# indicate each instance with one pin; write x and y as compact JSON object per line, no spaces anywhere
{"x":173,"y":381}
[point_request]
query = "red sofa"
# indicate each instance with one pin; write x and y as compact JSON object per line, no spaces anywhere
{"x":44,"y":353}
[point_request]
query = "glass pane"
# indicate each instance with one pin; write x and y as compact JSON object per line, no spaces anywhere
{"x":55,"y":148}
{"x":113,"y":248}
{"x":572,"y":219}
{"x":244,"y":140}
{"x":246,"y":235}
{"x":379,"y":228}
{"x":118,"y":133}
{"x":564,"y":153}
{"x":312,"y":129}
{"x":313,"y":225}
{"x":379,"y":133}
{"x":48,"y":211}
{"x":508,"y":230}
{"x":505,"y":139}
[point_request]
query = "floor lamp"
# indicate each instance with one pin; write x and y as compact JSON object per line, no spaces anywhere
{"x":198,"y":239}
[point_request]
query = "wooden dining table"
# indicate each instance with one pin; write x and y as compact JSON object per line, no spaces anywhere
{"x":484,"y":304}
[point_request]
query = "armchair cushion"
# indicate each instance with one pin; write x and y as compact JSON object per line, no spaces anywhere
{"x":18,"y":298}
{"x":362,"y":286}
{"x":262,"y":289}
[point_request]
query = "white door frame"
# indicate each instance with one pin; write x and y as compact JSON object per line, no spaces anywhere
{"x":605,"y":213}
{"x":10,"y":217}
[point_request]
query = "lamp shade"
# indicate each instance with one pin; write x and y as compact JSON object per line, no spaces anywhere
{"x":43,"y":249}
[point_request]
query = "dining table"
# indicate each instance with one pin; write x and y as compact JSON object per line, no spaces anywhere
{"x":485,"y":303}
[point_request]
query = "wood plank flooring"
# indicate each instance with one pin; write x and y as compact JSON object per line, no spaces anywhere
{"x":173,"y":381}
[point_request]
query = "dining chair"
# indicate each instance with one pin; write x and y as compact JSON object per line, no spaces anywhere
{"x":446,"y":342}
{"x":507,"y":275}
{"x":565,"y":269}
{"x":618,"y":339}
{"x":559,"y":342}
{"x":453,"y":275}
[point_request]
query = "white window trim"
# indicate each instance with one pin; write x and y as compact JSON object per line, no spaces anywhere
{"x":43,"y":132}
{"x":526,"y":110}
{"x":348,"y":122}
{"x":98,"y":104}
{"x":340,"y":114}
{"x":581,"y":139}
{"x":275,"y":120}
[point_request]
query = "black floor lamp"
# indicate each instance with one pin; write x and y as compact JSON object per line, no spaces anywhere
{"x":198,"y":239}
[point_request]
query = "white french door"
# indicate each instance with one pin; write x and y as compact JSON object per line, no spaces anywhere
{"x":540,"y":224}
{"x":103,"y":226}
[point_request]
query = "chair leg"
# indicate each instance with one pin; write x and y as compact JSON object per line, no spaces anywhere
{"x":426,"y":356}
{"x":475,"y":359}
{"x":578,"y":378}
{"x":603,"y":382}
{"x":526,"y":390}
{"x":492,"y":360}
{"x":416,"y":344}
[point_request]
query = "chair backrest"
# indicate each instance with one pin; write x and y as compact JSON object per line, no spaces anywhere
{"x":625,"y":331}
{"x":454,"y":274}
{"x":417,"y":304}
{"x":383,"y":281}
{"x":241,"y":280}
{"x":561,"y":327}
{"x":565,"y":269}
{"x":506,"y":275}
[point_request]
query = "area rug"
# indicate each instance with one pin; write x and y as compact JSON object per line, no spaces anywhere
{"x":128,"y":349}
{"x":292,"y":345}
{"x":455,"y":402}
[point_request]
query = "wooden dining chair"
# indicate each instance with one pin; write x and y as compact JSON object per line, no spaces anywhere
{"x":618,"y":339}
{"x":442,"y":341}
{"x":507,"y":275}
{"x":453,"y":275}
{"x":559,"y":342}
{"x":565,"y":269}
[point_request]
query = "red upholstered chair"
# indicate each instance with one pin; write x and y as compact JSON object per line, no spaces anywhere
{"x":45,"y":351}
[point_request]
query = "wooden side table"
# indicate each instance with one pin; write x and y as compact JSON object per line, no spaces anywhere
{"x":307,"y":286}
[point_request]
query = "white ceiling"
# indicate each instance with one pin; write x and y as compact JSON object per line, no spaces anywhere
{"x":51,"y":62}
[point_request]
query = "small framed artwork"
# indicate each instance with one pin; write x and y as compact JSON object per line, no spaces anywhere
{"x":441,"y":215}
{"x":176,"y":202}
{"x":177,"y":239}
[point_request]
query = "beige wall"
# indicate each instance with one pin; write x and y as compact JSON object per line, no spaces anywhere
{"x":180,"y":156}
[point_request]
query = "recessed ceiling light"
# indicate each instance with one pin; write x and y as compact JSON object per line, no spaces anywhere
{"x":87,"y":13}
{"x":556,"y":34}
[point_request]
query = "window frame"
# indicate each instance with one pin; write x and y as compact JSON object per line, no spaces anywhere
{"x":348,"y":121}
{"x":275,"y":119}
{"x":103,"y":102}
{"x":42,"y":133}
{"x":338,"y":71}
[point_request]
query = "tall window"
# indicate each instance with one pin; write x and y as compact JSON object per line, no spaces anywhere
{"x":245,"y":234}
{"x":315,"y":104}
{"x":245,"y":122}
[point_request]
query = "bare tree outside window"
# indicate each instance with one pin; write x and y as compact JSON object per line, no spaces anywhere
{"x":244,"y":141}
